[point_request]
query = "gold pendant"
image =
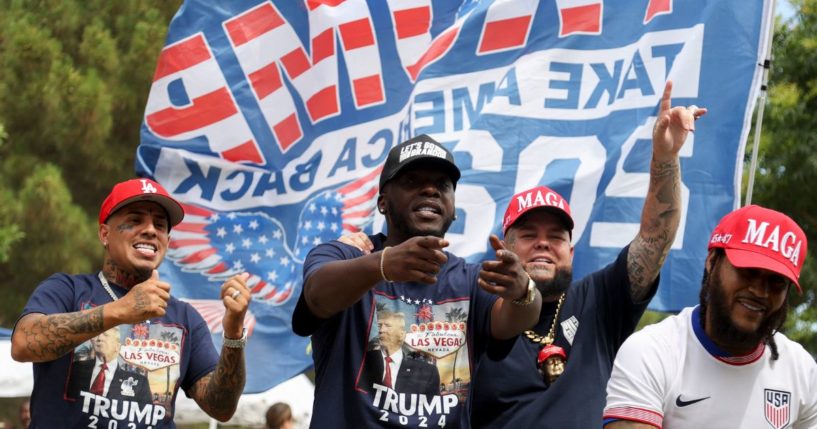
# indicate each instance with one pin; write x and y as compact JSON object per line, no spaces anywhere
{"x":551,"y":362}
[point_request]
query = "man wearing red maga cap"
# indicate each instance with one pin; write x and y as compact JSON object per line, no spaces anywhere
{"x":163,"y":342}
{"x":554,"y":374}
{"x":723,"y":363}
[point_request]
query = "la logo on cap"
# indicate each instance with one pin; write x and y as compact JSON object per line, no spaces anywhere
{"x":148,"y":187}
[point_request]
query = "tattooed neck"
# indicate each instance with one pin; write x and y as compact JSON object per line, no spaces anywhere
{"x":123,"y":278}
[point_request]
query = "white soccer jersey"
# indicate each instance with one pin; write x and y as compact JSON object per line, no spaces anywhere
{"x":669,"y":375}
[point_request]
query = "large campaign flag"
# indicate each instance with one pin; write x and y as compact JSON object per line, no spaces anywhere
{"x":270,"y":121}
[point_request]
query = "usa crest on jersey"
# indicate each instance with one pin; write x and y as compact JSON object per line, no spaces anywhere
{"x":777,"y":407}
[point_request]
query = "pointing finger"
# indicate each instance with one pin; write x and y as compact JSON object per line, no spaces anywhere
{"x":433,"y":242}
{"x":496,"y":243}
{"x":666,"y":104}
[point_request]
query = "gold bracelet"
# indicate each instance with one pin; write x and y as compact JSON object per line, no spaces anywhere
{"x":382,"y":257}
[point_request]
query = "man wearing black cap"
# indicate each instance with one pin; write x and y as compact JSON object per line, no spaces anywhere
{"x":164,"y":338}
{"x":449,"y":319}
{"x":553,"y":375}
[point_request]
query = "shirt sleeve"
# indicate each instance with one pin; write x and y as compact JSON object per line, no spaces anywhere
{"x":304,"y":323}
{"x":638,"y":383}
{"x":482,"y":303}
{"x":808,"y":413}
{"x":53,"y":296}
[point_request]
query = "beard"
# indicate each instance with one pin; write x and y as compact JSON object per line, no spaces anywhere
{"x":722,"y":326}
{"x":400,"y":223}
{"x":558,"y":284}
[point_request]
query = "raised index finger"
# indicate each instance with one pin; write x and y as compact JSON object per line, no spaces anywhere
{"x":496,"y":243}
{"x":666,"y":105}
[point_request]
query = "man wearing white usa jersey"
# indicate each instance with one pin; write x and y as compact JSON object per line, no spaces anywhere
{"x":723,"y":364}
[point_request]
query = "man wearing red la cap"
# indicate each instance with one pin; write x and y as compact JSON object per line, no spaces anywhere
{"x":162,"y":339}
{"x":723,"y":363}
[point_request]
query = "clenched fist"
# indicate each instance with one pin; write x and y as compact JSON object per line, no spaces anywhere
{"x":236,"y":298}
{"x":145,"y":300}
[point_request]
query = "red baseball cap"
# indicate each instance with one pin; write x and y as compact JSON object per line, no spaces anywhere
{"x":540,"y":197}
{"x":548,"y":351}
{"x":135,"y":190}
{"x":757,"y":237}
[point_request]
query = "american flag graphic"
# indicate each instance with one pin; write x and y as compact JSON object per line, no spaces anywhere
{"x":220,"y":245}
{"x":777,"y":406}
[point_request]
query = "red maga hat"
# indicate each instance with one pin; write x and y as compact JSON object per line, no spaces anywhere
{"x":548,"y":351}
{"x":540,"y":197}
{"x":134,"y":190}
{"x":757,"y":237}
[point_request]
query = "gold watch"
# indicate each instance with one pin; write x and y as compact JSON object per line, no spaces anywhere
{"x":529,"y":296}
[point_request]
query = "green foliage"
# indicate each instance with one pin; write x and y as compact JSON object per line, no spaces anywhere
{"x":9,"y":231}
{"x":787,"y":156}
{"x":75,"y":80}
{"x":649,"y":317}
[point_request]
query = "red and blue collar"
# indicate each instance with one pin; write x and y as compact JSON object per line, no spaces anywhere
{"x":716,"y":351}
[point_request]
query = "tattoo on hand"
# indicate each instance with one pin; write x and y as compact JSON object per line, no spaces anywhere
{"x":141,"y":302}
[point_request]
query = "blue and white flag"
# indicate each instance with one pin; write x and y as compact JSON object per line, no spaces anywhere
{"x":271,"y":121}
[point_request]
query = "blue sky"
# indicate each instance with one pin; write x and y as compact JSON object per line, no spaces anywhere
{"x":784,"y":8}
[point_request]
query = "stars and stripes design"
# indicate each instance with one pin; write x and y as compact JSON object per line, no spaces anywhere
{"x":212,"y":310}
{"x":579,"y":17}
{"x":221,"y":245}
{"x":657,"y":7}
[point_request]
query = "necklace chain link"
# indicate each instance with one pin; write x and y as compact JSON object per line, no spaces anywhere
{"x":548,"y":339}
{"x":107,"y":286}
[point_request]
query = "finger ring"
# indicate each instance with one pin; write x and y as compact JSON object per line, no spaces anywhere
{"x":235,"y":294}
{"x":693,"y":109}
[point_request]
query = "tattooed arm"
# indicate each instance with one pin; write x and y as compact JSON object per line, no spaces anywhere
{"x":217,"y":393}
{"x":44,"y":337}
{"x":41,"y":338}
{"x":662,"y":207}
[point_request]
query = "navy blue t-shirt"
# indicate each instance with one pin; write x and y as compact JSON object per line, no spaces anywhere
{"x":445,"y":326}
{"x":596,"y":317}
{"x":154,"y":359}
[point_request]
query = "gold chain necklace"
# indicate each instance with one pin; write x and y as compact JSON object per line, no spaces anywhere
{"x":548,"y":339}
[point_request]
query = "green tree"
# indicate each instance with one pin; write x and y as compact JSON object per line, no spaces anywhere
{"x":787,"y":156}
{"x":9,"y":230}
{"x":75,"y":80}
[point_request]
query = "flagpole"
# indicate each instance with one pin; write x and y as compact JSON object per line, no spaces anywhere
{"x":767,"y":62}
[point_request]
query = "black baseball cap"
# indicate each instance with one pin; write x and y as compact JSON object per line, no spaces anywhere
{"x":419,"y":148}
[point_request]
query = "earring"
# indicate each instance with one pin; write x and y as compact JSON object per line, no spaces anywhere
{"x":382,"y":211}
{"x":455,"y":217}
